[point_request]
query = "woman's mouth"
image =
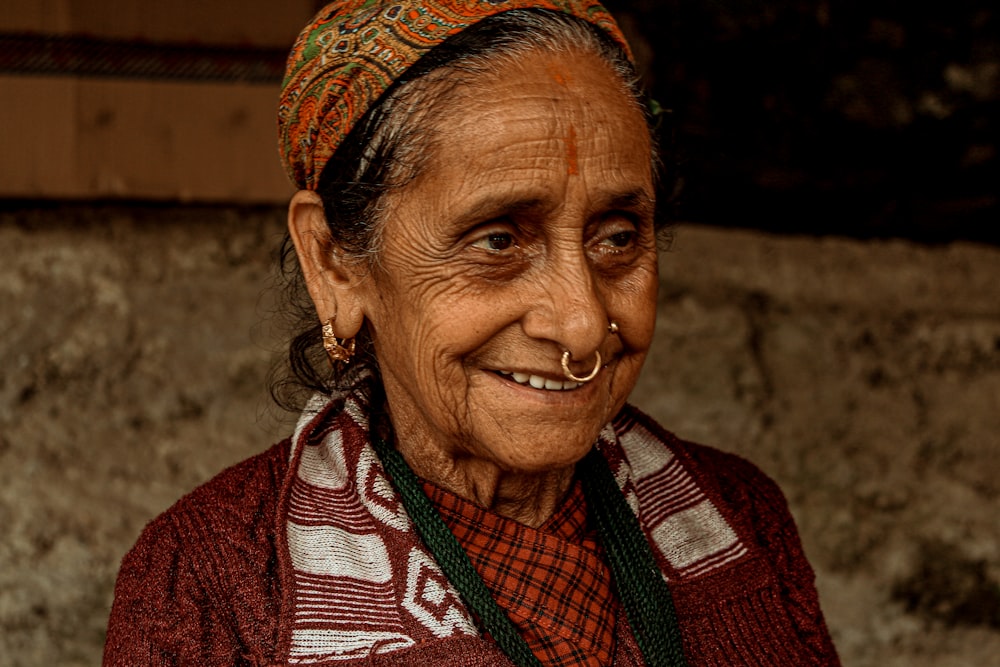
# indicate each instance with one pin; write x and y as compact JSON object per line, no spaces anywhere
{"x":539,"y":382}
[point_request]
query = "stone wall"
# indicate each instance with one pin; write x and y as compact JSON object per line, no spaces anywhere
{"x":865,"y":377}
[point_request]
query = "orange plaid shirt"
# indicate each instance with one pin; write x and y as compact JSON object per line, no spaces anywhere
{"x":552,"y":581}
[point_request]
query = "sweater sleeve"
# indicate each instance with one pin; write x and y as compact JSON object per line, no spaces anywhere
{"x":161,"y":614}
{"x":200,"y":586}
{"x":758,"y":499}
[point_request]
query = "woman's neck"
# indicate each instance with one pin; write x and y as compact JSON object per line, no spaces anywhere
{"x":528,"y":498}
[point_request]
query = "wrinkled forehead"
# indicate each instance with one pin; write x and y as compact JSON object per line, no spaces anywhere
{"x":522,"y":106}
{"x":528,"y":134}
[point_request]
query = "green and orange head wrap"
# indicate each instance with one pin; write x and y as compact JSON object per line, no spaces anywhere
{"x":355,"y":49}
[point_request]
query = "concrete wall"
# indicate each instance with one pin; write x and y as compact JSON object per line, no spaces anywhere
{"x":865,"y":377}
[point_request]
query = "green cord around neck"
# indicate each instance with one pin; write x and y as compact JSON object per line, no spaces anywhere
{"x":648,"y":603}
{"x":645,"y":596}
{"x":453,"y":560}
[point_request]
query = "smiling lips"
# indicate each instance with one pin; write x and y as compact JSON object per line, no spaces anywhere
{"x":538,"y":382}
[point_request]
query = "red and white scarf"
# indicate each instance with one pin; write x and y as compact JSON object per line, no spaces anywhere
{"x":362,"y":581}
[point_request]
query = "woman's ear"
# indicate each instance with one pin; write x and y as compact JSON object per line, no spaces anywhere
{"x":332,"y":279}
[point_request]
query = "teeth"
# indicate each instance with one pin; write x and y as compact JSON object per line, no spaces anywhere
{"x":539,"y":382}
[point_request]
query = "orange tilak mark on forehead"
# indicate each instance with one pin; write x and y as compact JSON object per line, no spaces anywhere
{"x":558,"y":75}
{"x":572,"y":167}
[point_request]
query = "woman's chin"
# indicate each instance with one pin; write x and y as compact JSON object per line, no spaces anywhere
{"x":532,"y":430}
{"x":541,"y":452}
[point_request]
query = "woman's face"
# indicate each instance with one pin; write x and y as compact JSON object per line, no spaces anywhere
{"x":529,"y":229}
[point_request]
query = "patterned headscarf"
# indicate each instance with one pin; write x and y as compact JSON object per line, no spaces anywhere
{"x":354,"y":49}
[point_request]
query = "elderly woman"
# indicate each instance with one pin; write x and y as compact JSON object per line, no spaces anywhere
{"x":476,"y":227}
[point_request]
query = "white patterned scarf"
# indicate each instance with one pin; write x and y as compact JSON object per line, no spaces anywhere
{"x":363,"y":582}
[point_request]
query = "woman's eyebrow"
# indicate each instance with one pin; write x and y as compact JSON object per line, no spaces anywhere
{"x":493,"y":205}
{"x":639,"y":200}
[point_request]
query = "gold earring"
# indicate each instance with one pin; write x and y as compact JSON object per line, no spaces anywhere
{"x":339,"y":351}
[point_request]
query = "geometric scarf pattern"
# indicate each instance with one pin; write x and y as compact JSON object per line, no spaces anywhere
{"x":362,"y":581}
{"x":353,"y":50}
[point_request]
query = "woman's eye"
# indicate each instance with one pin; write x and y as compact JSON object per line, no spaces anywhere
{"x":620,"y":239}
{"x":496,"y":241}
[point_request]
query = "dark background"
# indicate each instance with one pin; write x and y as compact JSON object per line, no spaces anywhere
{"x":851,"y":118}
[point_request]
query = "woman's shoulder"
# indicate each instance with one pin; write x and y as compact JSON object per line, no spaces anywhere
{"x":241,"y":491}
{"x":731,"y":552}
{"x":205,"y":565}
{"x":236,"y":507}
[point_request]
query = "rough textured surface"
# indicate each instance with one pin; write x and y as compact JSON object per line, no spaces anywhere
{"x":865,"y":377}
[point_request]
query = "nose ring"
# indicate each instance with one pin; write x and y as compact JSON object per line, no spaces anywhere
{"x":569,"y":374}
{"x":613,"y":328}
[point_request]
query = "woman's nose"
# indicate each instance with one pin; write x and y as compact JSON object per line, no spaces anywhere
{"x":567,"y":307}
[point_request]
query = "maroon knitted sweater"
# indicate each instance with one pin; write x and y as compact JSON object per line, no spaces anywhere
{"x":223,"y":578}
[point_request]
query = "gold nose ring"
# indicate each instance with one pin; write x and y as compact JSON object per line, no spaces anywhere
{"x":569,"y":374}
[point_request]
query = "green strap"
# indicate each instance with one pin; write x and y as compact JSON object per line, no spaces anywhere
{"x":645,"y":595}
{"x":452,"y":558}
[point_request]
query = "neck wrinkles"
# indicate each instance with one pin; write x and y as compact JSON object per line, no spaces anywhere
{"x":528,"y":498}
